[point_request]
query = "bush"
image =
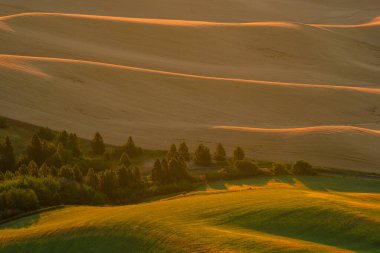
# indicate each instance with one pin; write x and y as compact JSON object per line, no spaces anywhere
{"x":246,"y":167}
{"x":19,"y":199}
{"x":279,"y":169}
{"x":303,"y":168}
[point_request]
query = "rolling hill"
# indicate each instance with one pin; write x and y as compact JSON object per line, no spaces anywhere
{"x":304,"y":214}
{"x":254,"y":76}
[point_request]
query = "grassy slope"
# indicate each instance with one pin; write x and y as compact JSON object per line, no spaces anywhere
{"x":306,"y":214}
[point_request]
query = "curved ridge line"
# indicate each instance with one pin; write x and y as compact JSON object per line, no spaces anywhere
{"x":337,"y":128}
{"x":215,"y":78}
{"x":178,"y":22}
{"x":373,"y":22}
{"x":169,"y":22}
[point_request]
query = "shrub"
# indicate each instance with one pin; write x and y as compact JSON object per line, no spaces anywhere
{"x":303,"y":168}
{"x":246,"y":167}
{"x":19,"y":199}
{"x":279,"y":169}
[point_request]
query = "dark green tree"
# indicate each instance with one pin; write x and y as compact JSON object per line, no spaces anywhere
{"x":131,"y":149}
{"x":220,"y":153}
{"x":23,"y":170}
{"x":279,"y":169}
{"x":98,"y":147}
{"x":124,"y":160}
{"x":246,"y":167}
{"x":33,"y":169}
{"x":91,"y":178}
{"x":239,"y":154}
{"x":63,"y":138}
{"x":183,"y":150}
{"x":202,"y":156}
{"x":157,"y":172}
{"x":303,"y":168}
{"x":7,"y":157}
{"x":44,"y":170}
{"x":35,"y":150}
{"x":78,"y":175}
{"x":165,"y":171}
{"x":136,"y":174}
{"x":66,"y":172}
{"x":123,"y":176}
{"x":107,"y":181}
{"x":172,"y":152}
{"x":73,"y":145}
{"x":178,"y":169}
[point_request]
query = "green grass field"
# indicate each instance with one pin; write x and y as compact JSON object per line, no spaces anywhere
{"x":285,"y":214}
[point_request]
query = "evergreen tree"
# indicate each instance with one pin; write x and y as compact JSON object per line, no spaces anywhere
{"x":8,"y":161}
{"x":131,"y":149}
{"x":78,"y":176}
{"x":63,"y":138}
{"x":23,"y":170}
{"x":183,"y":170}
{"x":33,"y":169}
{"x":91,"y":179}
{"x":59,"y":157}
{"x":44,"y":170}
{"x":107,"y":181}
{"x":136,"y":174}
{"x":73,"y":145}
{"x":157,"y":173}
{"x":165,"y":171}
{"x":35,"y":150}
{"x":98,"y":147}
{"x":172,"y":152}
{"x":239,"y":154}
{"x":124,"y":160}
{"x":123,"y":176}
{"x":220,"y":153}
{"x":202,"y":156}
{"x":54,"y":171}
{"x":183,"y":150}
{"x":66,"y":172}
{"x":178,"y":169}
{"x":173,"y":169}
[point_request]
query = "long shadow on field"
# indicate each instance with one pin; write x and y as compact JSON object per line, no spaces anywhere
{"x":22,"y":222}
{"x":340,"y":184}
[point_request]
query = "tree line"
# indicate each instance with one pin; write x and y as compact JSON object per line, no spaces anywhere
{"x":55,"y":169}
